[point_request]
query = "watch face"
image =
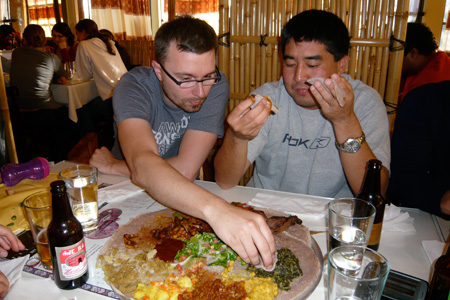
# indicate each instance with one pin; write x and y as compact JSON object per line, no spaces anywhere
{"x":352,"y":145}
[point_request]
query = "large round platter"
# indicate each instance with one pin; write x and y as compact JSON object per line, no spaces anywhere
{"x":296,"y":238}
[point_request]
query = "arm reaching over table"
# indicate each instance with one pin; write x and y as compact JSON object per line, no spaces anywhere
{"x":9,"y":241}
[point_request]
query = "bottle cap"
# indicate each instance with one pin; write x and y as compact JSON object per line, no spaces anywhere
{"x":45,"y":166}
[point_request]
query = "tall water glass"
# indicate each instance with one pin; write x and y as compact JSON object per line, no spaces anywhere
{"x":356,"y":273}
{"x":350,"y":222}
{"x":82,"y":187}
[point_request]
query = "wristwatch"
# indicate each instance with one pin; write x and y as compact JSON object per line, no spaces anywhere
{"x":352,"y":145}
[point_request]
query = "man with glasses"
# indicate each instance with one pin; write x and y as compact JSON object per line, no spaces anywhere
{"x":168,"y":119}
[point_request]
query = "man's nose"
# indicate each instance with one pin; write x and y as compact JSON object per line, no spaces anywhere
{"x":300,"y":73}
{"x":199,"y":90}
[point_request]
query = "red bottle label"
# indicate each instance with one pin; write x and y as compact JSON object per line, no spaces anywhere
{"x":72,"y":261}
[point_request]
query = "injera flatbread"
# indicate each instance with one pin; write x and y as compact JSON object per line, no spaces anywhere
{"x":297,"y":238}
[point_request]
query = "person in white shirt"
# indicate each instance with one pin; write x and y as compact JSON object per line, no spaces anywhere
{"x":98,"y":58}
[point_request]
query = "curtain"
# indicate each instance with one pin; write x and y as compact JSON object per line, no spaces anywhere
{"x":126,"y":19}
{"x":42,"y":12}
{"x":194,"y":7}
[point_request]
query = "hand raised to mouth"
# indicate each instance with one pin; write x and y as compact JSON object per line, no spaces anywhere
{"x":338,"y":92}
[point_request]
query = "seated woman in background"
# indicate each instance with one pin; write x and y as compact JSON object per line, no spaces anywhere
{"x":64,"y":39}
{"x":122,"y":50}
{"x":33,"y":70}
{"x":98,"y":58}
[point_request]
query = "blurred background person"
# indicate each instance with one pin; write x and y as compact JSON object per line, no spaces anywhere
{"x":8,"y":36}
{"x":33,"y":70}
{"x":122,"y":50}
{"x":421,"y":138}
{"x":422,"y":63}
{"x":65,"y":46}
{"x":98,"y":58}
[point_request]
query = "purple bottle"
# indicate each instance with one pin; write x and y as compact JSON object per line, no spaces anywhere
{"x":37,"y":168}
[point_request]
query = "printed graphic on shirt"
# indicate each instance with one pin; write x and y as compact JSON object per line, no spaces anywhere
{"x":317,"y":143}
{"x":168,"y":132}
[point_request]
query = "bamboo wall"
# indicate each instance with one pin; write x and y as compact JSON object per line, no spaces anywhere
{"x":249,"y":35}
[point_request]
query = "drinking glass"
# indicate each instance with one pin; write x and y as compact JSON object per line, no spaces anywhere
{"x":81,"y":184}
{"x":38,"y":209}
{"x":356,"y":273}
{"x":350,"y":222}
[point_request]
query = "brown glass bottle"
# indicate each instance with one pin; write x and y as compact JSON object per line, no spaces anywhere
{"x":371,"y":192}
{"x":66,"y":242}
{"x":440,"y":282}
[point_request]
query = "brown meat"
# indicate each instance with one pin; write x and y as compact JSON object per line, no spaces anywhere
{"x":279,"y":224}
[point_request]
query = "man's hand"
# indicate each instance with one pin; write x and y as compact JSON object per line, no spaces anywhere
{"x":107,"y":163}
{"x":8,"y":240}
{"x":244,"y":231}
{"x":4,"y":285}
{"x":245,"y":123}
{"x":328,"y":101}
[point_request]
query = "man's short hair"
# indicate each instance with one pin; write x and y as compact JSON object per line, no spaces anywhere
{"x":190,"y":34}
{"x":420,"y":37}
{"x":34,"y":35}
{"x":318,"y":26}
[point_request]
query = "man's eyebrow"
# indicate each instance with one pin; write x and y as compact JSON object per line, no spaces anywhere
{"x":313,"y":57}
{"x":287,"y":57}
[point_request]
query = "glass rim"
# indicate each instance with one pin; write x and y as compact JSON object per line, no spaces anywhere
{"x":374,"y":210}
{"x":93,"y":171}
{"x":365,"y":248}
{"x":35,"y":194}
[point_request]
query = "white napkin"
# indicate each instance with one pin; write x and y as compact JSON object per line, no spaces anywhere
{"x":396,"y":220}
{"x":434,"y":249}
{"x":312,"y":210}
{"x":22,"y":288}
{"x":118,"y":191}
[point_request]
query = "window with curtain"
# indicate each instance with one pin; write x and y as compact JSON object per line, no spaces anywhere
{"x":207,"y":10}
{"x":42,"y":12}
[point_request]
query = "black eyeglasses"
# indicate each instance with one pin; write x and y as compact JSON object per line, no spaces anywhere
{"x":191,"y":83}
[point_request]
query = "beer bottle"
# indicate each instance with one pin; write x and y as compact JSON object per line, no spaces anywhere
{"x":66,"y":242}
{"x":440,"y":282}
{"x":371,"y":192}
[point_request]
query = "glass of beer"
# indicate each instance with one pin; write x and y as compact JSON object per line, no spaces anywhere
{"x":38,"y":209}
{"x":81,"y":183}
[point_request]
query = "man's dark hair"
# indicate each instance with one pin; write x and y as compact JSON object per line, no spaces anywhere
{"x":420,"y":37}
{"x":190,"y":34}
{"x":318,"y":26}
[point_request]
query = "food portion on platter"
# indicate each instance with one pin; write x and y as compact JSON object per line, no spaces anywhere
{"x":169,"y":255}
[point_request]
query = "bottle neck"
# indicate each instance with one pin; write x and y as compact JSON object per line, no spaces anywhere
{"x":61,"y":206}
{"x":371,"y":182}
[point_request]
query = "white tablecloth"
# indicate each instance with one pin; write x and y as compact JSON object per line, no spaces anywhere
{"x":74,"y":95}
{"x":404,"y":251}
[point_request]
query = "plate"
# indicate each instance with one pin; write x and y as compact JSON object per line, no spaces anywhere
{"x":316,"y":249}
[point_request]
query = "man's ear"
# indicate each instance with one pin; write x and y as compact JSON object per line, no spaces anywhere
{"x":157,"y":67}
{"x":342,"y":64}
{"x":413,"y":53}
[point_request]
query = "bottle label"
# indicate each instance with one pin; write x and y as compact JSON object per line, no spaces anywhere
{"x":375,"y":234}
{"x":72,"y":260}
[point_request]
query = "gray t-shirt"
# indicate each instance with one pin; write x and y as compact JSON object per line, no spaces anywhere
{"x":139,"y":95}
{"x":295,"y":150}
{"x":32,"y":72}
